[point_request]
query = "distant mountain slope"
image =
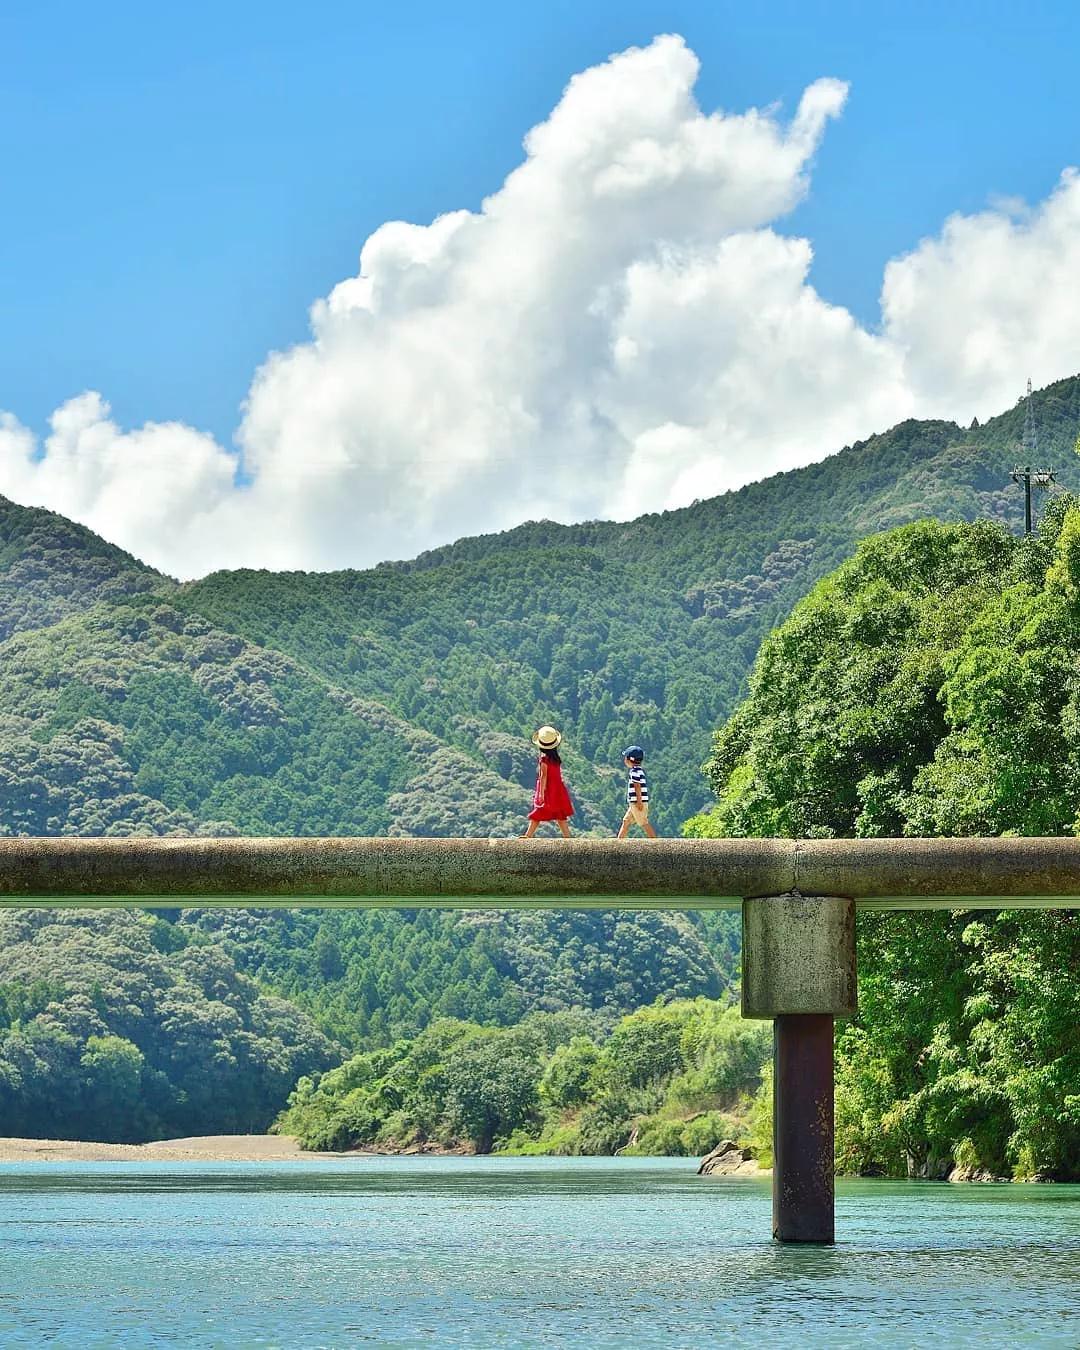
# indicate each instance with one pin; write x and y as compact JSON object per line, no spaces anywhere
{"x":637,"y":632}
{"x":399,"y":701}
{"x":50,"y":567}
{"x":917,"y":469}
{"x":137,"y":717}
{"x":478,"y":653}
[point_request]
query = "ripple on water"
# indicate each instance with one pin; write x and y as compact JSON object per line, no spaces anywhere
{"x":519,"y":1252}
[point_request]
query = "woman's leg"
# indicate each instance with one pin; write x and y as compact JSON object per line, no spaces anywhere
{"x":530,"y":830}
{"x":564,"y":828}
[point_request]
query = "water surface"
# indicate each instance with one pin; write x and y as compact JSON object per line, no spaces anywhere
{"x":518,"y":1252}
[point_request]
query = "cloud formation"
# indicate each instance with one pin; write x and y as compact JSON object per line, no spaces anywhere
{"x":620,"y":328}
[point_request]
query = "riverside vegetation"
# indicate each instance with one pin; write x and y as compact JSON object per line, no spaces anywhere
{"x":395,"y":701}
{"x":931,"y":686}
{"x":566,"y":1083}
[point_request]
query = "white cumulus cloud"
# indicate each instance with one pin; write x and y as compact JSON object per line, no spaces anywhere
{"x":993,"y":297}
{"x":144,"y":489}
{"x":621,"y":327}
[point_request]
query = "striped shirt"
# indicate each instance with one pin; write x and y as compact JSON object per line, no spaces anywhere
{"x":637,"y":775}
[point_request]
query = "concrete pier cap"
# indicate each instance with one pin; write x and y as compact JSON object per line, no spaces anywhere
{"x":798,"y":955}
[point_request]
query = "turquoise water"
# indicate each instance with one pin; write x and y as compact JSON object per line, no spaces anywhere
{"x":519,"y":1252}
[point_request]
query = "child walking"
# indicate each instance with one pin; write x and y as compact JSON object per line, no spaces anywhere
{"x":551,"y":801}
{"x":637,"y":793}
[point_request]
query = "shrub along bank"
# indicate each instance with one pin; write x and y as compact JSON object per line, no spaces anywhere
{"x":670,"y":1078}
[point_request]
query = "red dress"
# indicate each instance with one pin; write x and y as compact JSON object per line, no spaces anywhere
{"x":556,"y":803}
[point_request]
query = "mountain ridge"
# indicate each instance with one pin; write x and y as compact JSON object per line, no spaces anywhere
{"x":640,"y":631}
{"x":400,"y":699}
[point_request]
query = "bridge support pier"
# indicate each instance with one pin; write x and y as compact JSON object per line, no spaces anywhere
{"x":798,"y":968}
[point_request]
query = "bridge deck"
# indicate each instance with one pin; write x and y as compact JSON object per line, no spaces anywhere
{"x":537,"y":874}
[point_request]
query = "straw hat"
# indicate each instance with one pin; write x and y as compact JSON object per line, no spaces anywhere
{"x":547,"y":738}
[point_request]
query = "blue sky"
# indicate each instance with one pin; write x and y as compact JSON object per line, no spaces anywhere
{"x":182,"y":182}
{"x":666,"y":295}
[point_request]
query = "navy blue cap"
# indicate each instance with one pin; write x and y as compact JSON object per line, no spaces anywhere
{"x":633,"y":752}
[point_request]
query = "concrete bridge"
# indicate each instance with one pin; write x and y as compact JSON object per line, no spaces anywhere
{"x":799,"y":901}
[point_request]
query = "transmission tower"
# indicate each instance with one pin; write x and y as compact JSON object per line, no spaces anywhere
{"x":1030,"y":447}
{"x":1031,"y":436}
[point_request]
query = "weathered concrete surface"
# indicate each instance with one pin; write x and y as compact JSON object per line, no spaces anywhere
{"x":533,"y":874}
{"x":798,"y":956}
{"x":666,"y":873}
{"x":960,"y":873}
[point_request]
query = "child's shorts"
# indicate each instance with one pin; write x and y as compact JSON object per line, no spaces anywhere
{"x":637,"y":813}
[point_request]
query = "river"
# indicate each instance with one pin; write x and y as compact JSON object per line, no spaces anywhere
{"x":518,"y":1252}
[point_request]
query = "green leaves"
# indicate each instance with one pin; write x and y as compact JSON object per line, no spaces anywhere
{"x":844,"y":706}
{"x":668,"y":1075}
{"x":932,"y":686}
{"x":108,"y":1033}
{"x":492,"y":1086}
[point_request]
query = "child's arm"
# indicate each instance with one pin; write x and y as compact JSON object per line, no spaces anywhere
{"x":543,"y":781}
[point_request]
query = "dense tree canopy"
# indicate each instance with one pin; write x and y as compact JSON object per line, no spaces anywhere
{"x":399,"y":701}
{"x":372,"y":977}
{"x":932,"y":686}
{"x":120,"y":1026}
{"x":664,"y":1079}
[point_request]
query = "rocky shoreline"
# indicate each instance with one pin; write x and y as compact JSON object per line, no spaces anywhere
{"x":729,"y":1160}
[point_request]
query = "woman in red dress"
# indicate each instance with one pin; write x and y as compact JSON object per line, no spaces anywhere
{"x":551,"y":801}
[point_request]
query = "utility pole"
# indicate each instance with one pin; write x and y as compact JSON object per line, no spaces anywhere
{"x":1030,"y":447}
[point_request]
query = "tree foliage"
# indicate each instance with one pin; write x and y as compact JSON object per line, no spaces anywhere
{"x":932,"y":686}
{"x":663,"y":1079}
{"x":112,"y":1029}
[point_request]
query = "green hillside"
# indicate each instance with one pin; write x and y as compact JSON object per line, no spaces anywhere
{"x":664,"y":1079}
{"x":50,"y":567}
{"x":127,"y":1027}
{"x":399,"y":701}
{"x":641,"y":632}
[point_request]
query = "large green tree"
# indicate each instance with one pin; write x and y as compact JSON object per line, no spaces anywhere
{"x":932,"y":686}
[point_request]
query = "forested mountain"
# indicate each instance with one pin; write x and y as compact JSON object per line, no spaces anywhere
{"x":639,"y":632}
{"x":370,"y":977}
{"x":399,"y":701}
{"x":127,"y":1027}
{"x":50,"y":567}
